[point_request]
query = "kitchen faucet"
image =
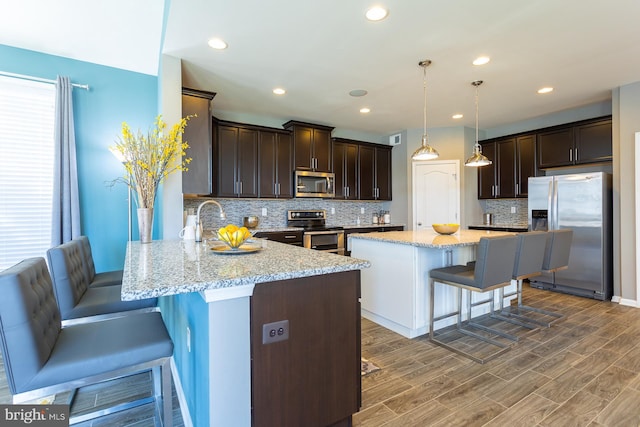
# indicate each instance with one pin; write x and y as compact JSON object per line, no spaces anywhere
{"x":199,"y":222}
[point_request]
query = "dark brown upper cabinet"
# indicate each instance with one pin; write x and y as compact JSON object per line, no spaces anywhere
{"x":374,"y":172}
{"x":311,"y":145}
{"x":513,"y":163}
{"x":198,"y":178}
{"x":237,"y":157}
{"x":584,"y":142}
{"x":275,"y":165}
{"x":345,"y":168}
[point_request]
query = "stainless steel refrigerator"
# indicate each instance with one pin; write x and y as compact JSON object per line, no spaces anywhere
{"x":582,"y":202}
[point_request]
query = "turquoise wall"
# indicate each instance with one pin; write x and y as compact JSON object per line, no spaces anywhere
{"x":115,"y":96}
{"x":180,"y":312}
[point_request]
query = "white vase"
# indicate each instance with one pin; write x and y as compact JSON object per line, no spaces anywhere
{"x":145,"y":224}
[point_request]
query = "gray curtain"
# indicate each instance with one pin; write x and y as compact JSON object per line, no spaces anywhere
{"x":66,"y":204}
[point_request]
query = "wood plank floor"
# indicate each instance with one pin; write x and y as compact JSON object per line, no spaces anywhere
{"x":583,"y":371}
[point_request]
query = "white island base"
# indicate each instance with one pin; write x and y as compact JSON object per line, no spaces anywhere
{"x":395,"y":289}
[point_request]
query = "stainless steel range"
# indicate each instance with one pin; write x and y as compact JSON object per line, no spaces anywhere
{"x":316,"y":234}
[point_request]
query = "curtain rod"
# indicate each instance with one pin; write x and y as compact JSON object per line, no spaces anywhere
{"x":38,"y":79}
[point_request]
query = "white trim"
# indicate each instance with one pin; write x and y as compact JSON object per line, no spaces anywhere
{"x":182,"y":399}
{"x":637,"y":182}
{"x":625,"y":301}
{"x":221,"y":294}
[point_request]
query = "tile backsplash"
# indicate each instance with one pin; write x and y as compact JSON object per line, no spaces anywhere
{"x":344,"y":212}
{"x":501,"y":210}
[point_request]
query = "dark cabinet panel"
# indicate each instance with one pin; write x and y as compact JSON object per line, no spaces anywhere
{"x":367,"y":168}
{"x":374,"y":166}
{"x":525,"y":163}
{"x":247,"y":163}
{"x":383,"y":173}
{"x":237,"y":155}
{"x":593,"y":142}
{"x":311,"y":378}
{"x":303,"y":138}
{"x":513,"y":163}
{"x":345,"y":161}
{"x":506,"y":168}
{"x":197,"y":179}
{"x":555,"y":147}
{"x":227,"y":154}
{"x":311,"y":145}
{"x":588,"y":141}
{"x":487,"y":174}
{"x":274,"y":164}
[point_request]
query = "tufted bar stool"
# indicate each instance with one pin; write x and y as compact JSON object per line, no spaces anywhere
{"x":105,"y":278}
{"x":492,"y":270}
{"x":77,"y":301}
{"x":42,"y":358}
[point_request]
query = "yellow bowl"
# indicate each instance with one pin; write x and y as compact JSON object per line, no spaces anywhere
{"x":445,"y":228}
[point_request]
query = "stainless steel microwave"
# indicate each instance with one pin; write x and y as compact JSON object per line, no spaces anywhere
{"x":314,"y":184}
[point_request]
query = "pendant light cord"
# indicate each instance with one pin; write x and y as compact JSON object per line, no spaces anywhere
{"x":477,"y":144}
{"x":424,"y":90}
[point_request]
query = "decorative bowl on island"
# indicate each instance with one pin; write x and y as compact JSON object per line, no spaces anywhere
{"x":233,"y":236}
{"x":445,"y":228}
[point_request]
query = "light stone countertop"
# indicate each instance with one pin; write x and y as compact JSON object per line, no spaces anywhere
{"x":170,"y":267}
{"x":429,"y":238}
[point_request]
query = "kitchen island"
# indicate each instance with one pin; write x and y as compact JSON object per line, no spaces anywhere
{"x":247,"y":327}
{"x":395,"y":291}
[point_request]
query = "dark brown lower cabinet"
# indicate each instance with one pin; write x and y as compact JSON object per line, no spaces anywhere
{"x":313,"y":377}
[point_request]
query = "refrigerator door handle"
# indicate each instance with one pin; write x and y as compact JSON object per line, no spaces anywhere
{"x":554,"y":206}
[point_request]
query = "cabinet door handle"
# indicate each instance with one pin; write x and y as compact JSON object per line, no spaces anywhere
{"x":493,"y":190}
{"x":497,"y":190}
{"x":576,"y":156}
{"x":240,"y":187}
{"x":570,"y":154}
{"x":517,"y":188}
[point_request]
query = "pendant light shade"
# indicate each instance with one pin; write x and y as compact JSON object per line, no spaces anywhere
{"x":477,"y":159}
{"x":425,"y":152}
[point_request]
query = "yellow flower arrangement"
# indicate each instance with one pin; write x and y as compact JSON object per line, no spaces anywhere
{"x":149,"y":159}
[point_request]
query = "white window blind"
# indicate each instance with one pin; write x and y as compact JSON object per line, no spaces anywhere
{"x":26,"y":168}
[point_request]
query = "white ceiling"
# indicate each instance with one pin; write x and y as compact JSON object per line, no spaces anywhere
{"x":321,"y":50}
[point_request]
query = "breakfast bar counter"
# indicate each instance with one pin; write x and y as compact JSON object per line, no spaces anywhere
{"x":246,"y":328}
{"x":395,"y":287}
{"x":170,"y":267}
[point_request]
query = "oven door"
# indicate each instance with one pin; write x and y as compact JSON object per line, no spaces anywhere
{"x":328,"y":241}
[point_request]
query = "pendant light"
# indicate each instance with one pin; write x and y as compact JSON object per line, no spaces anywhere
{"x":425,"y":152}
{"x":477,"y":159}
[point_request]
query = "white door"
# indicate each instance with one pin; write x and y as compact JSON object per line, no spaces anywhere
{"x":436,"y":193}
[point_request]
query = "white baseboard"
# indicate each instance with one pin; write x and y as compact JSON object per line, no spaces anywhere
{"x":625,"y":301}
{"x":184,"y":409}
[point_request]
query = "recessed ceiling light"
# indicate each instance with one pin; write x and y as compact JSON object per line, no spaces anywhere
{"x":217,"y":43}
{"x":376,"y":13}
{"x":365,"y":110}
{"x":481,"y":60}
{"x":279,"y":91}
{"x":545,"y":90}
{"x":358,"y":92}
{"x":457,"y":116}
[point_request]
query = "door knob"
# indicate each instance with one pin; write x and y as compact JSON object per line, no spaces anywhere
{"x":419,"y":223}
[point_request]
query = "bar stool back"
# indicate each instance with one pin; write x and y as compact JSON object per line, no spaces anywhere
{"x":105,"y":278}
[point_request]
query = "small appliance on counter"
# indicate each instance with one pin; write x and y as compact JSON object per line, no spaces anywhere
{"x":487,"y":219}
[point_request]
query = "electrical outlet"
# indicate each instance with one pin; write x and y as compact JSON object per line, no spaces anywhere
{"x":188,"y":339}
{"x":513,"y":209}
{"x":361,"y":210}
{"x":275,"y":331}
{"x":264,"y":211}
{"x":333,"y":211}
